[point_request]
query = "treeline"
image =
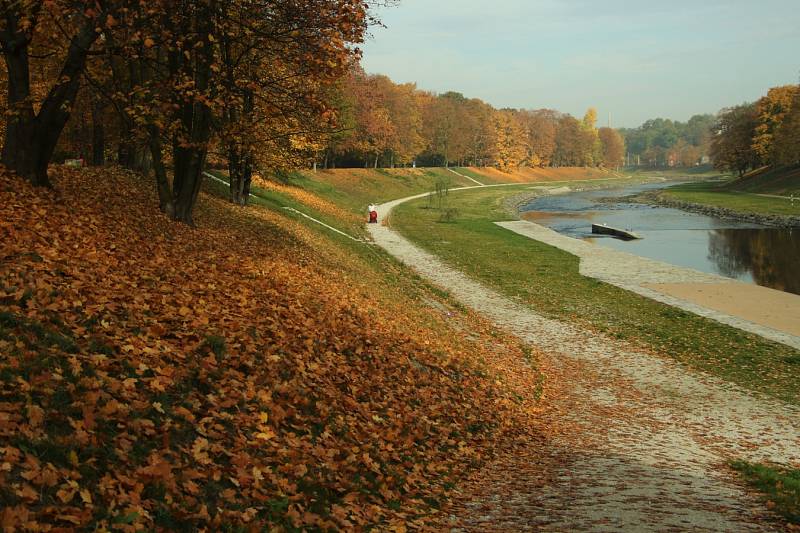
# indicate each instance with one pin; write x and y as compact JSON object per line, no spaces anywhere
{"x":666,"y":143}
{"x":166,"y":86}
{"x":163,"y":84}
{"x":762,"y":133}
{"x":385,"y":124}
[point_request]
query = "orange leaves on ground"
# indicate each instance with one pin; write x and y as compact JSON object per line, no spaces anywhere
{"x":307,"y":198}
{"x":152,"y":374}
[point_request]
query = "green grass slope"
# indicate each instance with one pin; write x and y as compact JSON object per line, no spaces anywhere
{"x":782,"y":181}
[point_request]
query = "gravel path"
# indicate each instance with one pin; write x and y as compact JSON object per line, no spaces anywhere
{"x":640,"y":442}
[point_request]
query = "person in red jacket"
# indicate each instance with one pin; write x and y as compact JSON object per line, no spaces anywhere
{"x":373,"y":214}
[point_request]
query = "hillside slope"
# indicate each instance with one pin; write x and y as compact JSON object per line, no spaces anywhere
{"x":782,"y":181}
{"x":354,"y":188}
{"x":251,"y":372}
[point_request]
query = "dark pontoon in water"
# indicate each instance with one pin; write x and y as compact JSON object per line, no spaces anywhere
{"x":625,"y":234}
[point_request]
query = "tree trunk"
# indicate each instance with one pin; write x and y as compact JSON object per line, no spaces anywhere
{"x":240,"y":170}
{"x":162,"y":182}
{"x":196,"y":121}
{"x":17,"y":151}
{"x":31,"y":139}
{"x":246,"y":179}
{"x":234,"y":174}
{"x":98,"y":133}
{"x":186,"y":184}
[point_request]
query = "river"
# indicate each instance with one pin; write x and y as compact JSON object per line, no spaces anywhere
{"x":748,"y":252}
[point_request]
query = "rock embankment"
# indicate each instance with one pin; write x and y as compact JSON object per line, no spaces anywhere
{"x":656,"y":198}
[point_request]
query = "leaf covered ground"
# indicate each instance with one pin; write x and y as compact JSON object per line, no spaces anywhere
{"x":245,"y":374}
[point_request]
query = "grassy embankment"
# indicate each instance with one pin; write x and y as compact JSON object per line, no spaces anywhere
{"x":745,"y":194}
{"x":255,"y":372}
{"x":354,"y":189}
{"x":779,"y":486}
{"x":699,"y":172}
{"x":547,"y":279}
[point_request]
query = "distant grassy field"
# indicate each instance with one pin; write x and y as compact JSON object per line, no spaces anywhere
{"x":547,"y":279}
{"x":719,"y":195}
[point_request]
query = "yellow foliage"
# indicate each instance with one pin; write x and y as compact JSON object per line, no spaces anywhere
{"x":771,"y":110}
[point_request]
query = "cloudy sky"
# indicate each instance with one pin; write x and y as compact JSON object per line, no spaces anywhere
{"x":633,"y":59}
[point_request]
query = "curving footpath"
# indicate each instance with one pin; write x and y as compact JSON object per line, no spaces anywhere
{"x":641,"y":443}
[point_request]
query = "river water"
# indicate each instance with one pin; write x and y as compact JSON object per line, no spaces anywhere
{"x":744,"y":251}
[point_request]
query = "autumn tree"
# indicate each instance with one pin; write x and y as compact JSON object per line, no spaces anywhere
{"x":684,"y":154}
{"x":568,"y":142}
{"x":731,"y":145}
{"x":509,"y":140}
{"x":770,"y":111}
{"x":540,"y":136}
{"x":786,"y":150}
{"x":443,"y":120}
{"x":279,"y":62}
{"x":245,"y":77}
{"x":406,"y":118}
{"x":613,"y":147}
{"x":480,"y":132}
{"x":374,"y":131}
{"x":34,"y":127}
{"x":590,"y":146}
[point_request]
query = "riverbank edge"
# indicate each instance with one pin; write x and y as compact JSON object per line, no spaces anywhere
{"x":513,"y":204}
{"x":657,"y":198}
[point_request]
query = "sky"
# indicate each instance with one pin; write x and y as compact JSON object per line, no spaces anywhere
{"x":631,"y":60}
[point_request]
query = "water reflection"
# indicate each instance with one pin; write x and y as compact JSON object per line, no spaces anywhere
{"x":770,"y":256}
{"x":745,"y":251}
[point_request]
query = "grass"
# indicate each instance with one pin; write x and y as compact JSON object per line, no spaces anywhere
{"x":354,"y":189}
{"x":276,"y":201}
{"x":466,"y":171}
{"x":696,"y":172}
{"x":547,"y":279}
{"x":377,"y":263}
{"x":783,"y":181}
{"x":716,"y":195}
{"x":780,"y":487}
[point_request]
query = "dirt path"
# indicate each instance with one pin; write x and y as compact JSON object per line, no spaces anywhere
{"x":640,"y":444}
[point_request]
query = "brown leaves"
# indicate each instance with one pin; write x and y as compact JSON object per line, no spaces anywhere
{"x":220,"y":375}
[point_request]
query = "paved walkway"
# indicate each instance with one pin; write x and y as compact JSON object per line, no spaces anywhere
{"x":642,"y":444}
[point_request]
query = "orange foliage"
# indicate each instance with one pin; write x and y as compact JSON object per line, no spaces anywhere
{"x":244,"y":373}
{"x":528,"y":174}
